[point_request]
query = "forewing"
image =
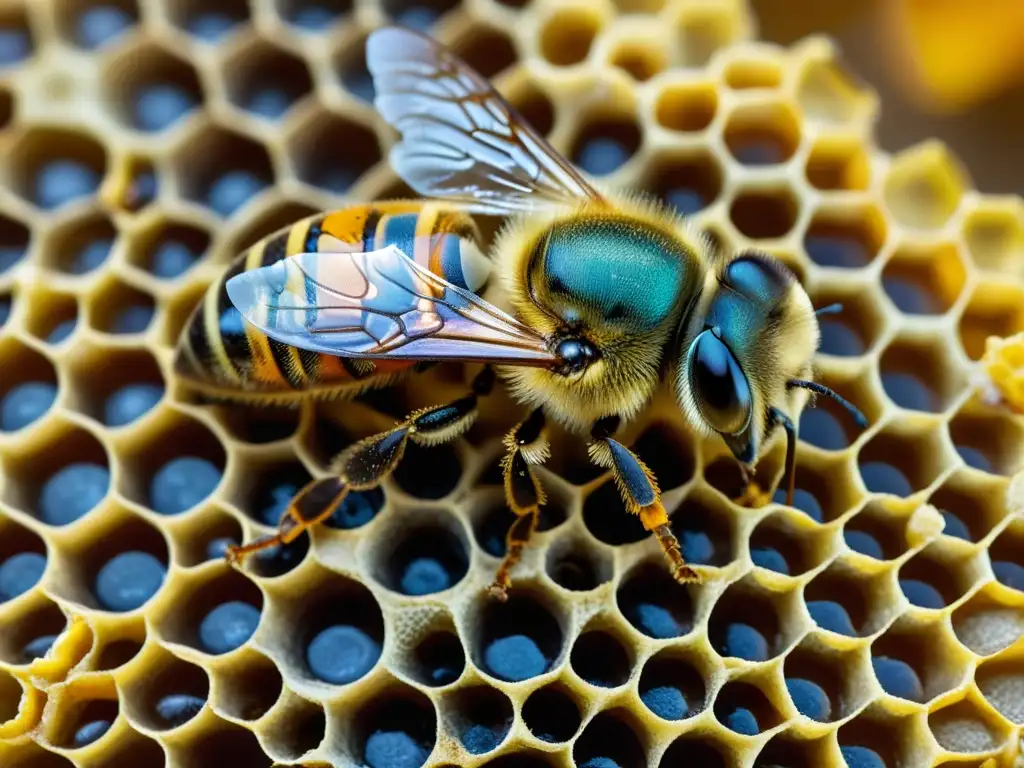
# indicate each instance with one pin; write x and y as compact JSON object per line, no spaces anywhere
{"x":379,"y":304}
{"x":460,"y":139}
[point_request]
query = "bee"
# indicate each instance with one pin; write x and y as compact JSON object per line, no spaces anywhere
{"x":596,"y":299}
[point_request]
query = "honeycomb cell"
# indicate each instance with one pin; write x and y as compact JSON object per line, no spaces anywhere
{"x":781,"y":544}
{"x":843,"y":601}
{"x":671,"y":686}
{"x":14,"y":242}
{"x":748,"y":623}
{"x":828,"y":425}
{"x":761,"y":134}
{"x":517,"y":640}
{"x":965,"y":727}
{"x":30,"y":629}
{"x":428,"y":472}
{"x":22,"y":560}
{"x":267,"y":499}
{"x":923,"y":186}
{"x":704,"y":29}
{"x":924,"y":281}
{"x":350,"y":66}
{"x":17,"y":41}
{"x":114,"y":402}
{"x":838,"y":164}
{"x":875,"y":738}
{"x":301,"y":729}
{"x":227,"y":742}
{"x":223,"y":170}
{"x":704,"y":528}
{"x":698,"y":751}
{"x":120,"y":309}
{"x":316,"y":157}
{"x":552,"y":714}
{"x":919,"y":373}
{"x":218,"y":616}
{"x":876,"y":533}
{"x":852,"y":331}
{"x":988,"y":440}
{"x":917,"y":663}
{"x":743,"y":708}
{"x":60,"y":478}
{"x":266,"y":81}
{"x":81,"y":246}
{"x":52,"y":316}
{"x":823,"y":686}
{"x":686,"y":106}
{"x":116,"y":653}
{"x":606,"y":144}
{"x":847,"y":237}
{"x":150,"y":89}
{"x":482,"y":718}
{"x":828,"y":93}
{"x":438,"y":659}
{"x":610,"y":739}
{"x":1007,"y":556}
{"x":686,"y":183}
{"x":640,"y":59}
{"x":312,"y":15}
{"x":568,"y":34}
{"x":753,"y":73}
{"x":53,"y":167}
{"x":654,"y":603}
{"x":764,"y":214}
{"x":488,"y":50}
{"x":902,"y":462}
{"x":995,"y":236}
{"x":209,"y":20}
{"x":358,"y":508}
{"x":1000,"y":682}
{"x":248,"y":688}
{"x":397,"y":728}
{"x":601,"y":659}
{"x":784,"y":749}
{"x":169,"y":250}
{"x":607,"y":518}
{"x":29,"y":388}
{"x":969,"y":511}
{"x":573,"y":564}
{"x":423,"y":559}
{"x":994,"y":309}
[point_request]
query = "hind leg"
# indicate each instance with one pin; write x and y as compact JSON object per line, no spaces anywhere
{"x":366,"y":464}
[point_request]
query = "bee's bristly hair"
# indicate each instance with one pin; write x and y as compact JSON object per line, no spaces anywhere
{"x":821,"y":389}
{"x":829,"y":309}
{"x":782,"y":420}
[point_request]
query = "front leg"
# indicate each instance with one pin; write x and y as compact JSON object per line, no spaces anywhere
{"x":640,"y":492}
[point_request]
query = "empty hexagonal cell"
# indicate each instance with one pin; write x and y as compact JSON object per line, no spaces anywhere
{"x":53,"y":167}
{"x":151,"y":89}
{"x":762,"y":134}
{"x":605,"y":144}
{"x":518,"y":639}
{"x":988,"y":439}
{"x":119,"y":308}
{"x":17,"y":42}
{"x":704,"y":30}
{"x":87,"y":719}
{"x":750,"y":623}
{"x":686,"y":106}
{"x":764,"y":214}
{"x":52,"y":316}
{"x":924,"y":281}
{"x":488,"y":50}
{"x":753,"y":73}
{"x":14,"y":242}
{"x":970,"y":508}
{"x":995,"y":309}
{"x":601,"y":658}
{"x":611,"y":738}
{"x":824,"y":685}
{"x":428,"y":472}
{"x":209,"y":20}
{"x":215,"y":616}
{"x":223,"y":170}
{"x":300,"y":729}
{"x":704,"y":751}
{"x":81,"y":246}
{"x":552,"y":714}
{"x":29,"y":387}
{"x":438,"y":658}
{"x":314,"y":152}
{"x":266,"y":81}
{"x":169,"y":250}
{"x":828,"y":92}
{"x":247,"y":687}
{"x":901,"y":461}
{"x":1001,"y":682}
{"x":175,"y":469}
{"x":422,"y":557}
{"x":399,"y":724}
{"x":115,"y":400}
{"x":568,"y":34}
{"x":654,"y":603}
{"x":481,"y":716}
{"x":793,"y":752}
{"x":743,"y":707}
{"x":782,"y":544}
{"x":923,"y":186}
{"x":837,"y":163}
{"x":208,"y":750}
{"x":848,"y":237}
{"x":918,"y":663}
{"x":877,"y":738}
{"x":967,"y":727}
{"x":208,"y":539}
{"x":167,"y":694}
{"x":672,"y":685}
{"x":641,"y":59}
{"x":704,"y":526}
{"x":312,"y":15}
{"x":92,"y":25}
{"x":577,"y":565}
{"x":1007,"y":556}
{"x":60,"y":477}
{"x":828,"y":425}
{"x":116,"y":651}
{"x":350,"y":66}
{"x":919,"y":373}
{"x":854,"y":329}
{"x":825,"y":490}
{"x":30,"y":630}
{"x":877,"y":533}
{"x":22,"y":560}
{"x":687,"y":183}
{"x":995,"y":235}
{"x":847,"y":602}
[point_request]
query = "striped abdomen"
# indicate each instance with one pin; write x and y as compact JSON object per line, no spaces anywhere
{"x":222,"y":354}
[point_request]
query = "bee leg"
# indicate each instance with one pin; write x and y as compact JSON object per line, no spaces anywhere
{"x":315,"y":502}
{"x":526,"y":444}
{"x":640,"y":492}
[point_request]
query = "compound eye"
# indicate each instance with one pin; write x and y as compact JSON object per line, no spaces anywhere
{"x":720,"y":389}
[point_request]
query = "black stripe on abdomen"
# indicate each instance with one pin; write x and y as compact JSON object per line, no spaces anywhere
{"x":282,"y":354}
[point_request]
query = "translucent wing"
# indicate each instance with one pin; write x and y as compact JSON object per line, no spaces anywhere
{"x":379,"y":304}
{"x":460,"y":139}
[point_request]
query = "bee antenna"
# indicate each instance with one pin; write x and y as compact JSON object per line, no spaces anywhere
{"x":821,"y":389}
{"x":782,"y":420}
{"x":830,"y":309}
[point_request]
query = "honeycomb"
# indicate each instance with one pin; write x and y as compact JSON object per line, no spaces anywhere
{"x":879,"y":622}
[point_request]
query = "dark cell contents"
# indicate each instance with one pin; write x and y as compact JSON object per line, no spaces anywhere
{"x":358,"y":508}
{"x":837,"y":250}
{"x":128,"y":580}
{"x":864,"y":543}
{"x":63,"y":180}
{"x":13,"y":245}
{"x":91,"y":256}
{"x":401,"y":735}
{"x":686,"y":200}
{"x":342,"y":654}
{"x":426,"y":562}
{"x":228,"y":626}
{"x":770,"y":559}
{"x":61,"y":331}
{"x":656,"y":605}
{"x":551,"y":715}
{"x":666,"y":701}
{"x":954,"y":526}
{"x":101,"y":24}
{"x":130,"y":402}
{"x":15,"y":45}
{"x":89,"y":733}
{"x":803,"y":500}
{"x":515,"y":658}
{"x":975,"y":458}
{"x":830,"y":615}
{"x":1009,"y":573}
{"x":158,"y":105}
{"x":861,"y":757}
{"x":38,"y":647}
{"x":181,"y":484}
{"x":840,"y":339}
{"x":602,"y":155}
{"x":25,"y":403}
{"x":897,"y":678}
{"x":5,"y":309}
{"x":232,"y":189}
{"x":210,"y":25}
{"x":822,"y":429}
{"x":600,"y":659}
{"x":741,"y":720}
{"x":357,"y":80}
{"x":269,"y":101}
{"x":279,"y":560}
{"x":314,"y":15}
{"x":922,"y":594}
{"x":173,"y":257}
{"x":19,"y":573}
{"x":175,"y":709}
{"x":910,"y":297}
{"x":743,"y":641}
{"x":134,"y":318}
{"x":72,"y":492}
{"x":908,"y":391}
{"x":882,"y":477}
{"x":809,"y":699}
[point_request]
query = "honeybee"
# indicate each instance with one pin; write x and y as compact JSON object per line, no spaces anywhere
{"x":599,"y":298}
